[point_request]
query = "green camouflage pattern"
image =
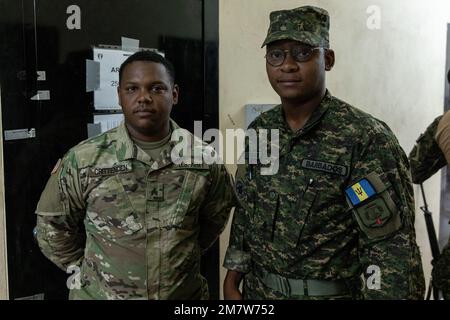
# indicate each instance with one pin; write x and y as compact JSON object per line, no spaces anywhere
{"x":136,"y":227}
{"x":297,"y":223}
{"x":309,"y":25}
{"x":441,"y":272}
{"x":426,"y":158}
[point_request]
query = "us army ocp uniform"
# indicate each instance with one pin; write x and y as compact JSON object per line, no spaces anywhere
{"x":340,"y":208}
{"x":135,"y":227}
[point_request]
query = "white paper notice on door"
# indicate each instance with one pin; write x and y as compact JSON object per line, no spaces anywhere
{"x":105,"y":98}
{"x":108,"y":121}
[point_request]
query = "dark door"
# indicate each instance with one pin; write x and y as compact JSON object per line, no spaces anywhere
{"x":52,"y":39}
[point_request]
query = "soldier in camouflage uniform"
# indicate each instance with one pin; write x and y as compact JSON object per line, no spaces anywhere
{"x":430,"y":153}
{"x":337,"y":219}
{"x":441,"y":272}
{"x":118,"y":208}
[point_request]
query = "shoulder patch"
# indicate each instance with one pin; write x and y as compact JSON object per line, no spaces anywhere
{"x":375,"y":211}
{"x":323,"y":166}
{"x":56,"y":167}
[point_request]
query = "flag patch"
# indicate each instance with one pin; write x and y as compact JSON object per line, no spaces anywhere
{"x":360,"y":191}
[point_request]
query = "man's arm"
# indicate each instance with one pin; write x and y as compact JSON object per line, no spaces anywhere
{"x":388,"y":252}
{"x":443,"y":135}
{"x":231,"y":285}
{"x":60,"y":240}
{"x":237,"y":258}
{"x":60,"y":213}
{"x":215,"y":212}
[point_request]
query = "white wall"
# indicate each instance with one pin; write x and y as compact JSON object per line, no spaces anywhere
{"x":396,"y":73}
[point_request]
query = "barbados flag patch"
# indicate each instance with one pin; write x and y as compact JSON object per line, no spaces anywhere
{"x":360,"y":191}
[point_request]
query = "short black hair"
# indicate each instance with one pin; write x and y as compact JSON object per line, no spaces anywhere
{"x":149,"y":56}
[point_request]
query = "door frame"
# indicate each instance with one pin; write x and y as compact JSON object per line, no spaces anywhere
{"x":4,"y":292}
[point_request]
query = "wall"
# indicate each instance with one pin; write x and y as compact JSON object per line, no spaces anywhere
{"x":396,"y":73}
{"x":3,"y":259}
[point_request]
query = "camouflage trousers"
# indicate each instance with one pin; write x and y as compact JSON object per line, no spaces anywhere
{"x":441,"y":272}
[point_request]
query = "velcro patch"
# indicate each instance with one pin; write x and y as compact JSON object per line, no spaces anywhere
{"x":197,"y":166}
{"x":323,"y":166}
{"x":156,"y":193}
{"x":120,"y":168}
{"x":360,"y":191}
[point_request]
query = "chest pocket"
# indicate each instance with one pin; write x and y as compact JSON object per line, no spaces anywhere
{"x":110,"y":210}
{"x":174,"y":197}
{"x":309,"y":201}
{"x":322,"y":208}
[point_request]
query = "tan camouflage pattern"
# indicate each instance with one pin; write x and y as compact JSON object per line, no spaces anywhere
{"x":309,"y":25}
{"x":297,"y":223}
{"x":426,"y":158}
{"x":136,"y":227}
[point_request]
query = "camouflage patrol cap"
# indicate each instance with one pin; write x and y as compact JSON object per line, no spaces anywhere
{"x":308,"y":24}
{"x":426,"y":158}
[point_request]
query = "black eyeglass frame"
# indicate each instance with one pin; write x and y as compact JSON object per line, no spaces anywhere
{"x":285,"y":52}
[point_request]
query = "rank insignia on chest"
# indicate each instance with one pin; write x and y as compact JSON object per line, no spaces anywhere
{"x":156,"y":192}
{"x":360,"y":192}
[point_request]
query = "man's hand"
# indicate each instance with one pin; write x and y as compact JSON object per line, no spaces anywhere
{"x":231,"y":285}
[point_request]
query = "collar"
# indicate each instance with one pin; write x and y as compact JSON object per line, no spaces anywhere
{"x":315,"y":118}
{"x":126,"y":149}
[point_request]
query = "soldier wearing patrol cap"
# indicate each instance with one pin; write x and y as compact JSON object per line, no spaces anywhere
{"x":431,"y":153}
{"x":121,"y":214}
{"x":337,"y":219}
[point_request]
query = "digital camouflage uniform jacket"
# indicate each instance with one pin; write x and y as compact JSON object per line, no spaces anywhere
{"x":136,"y":227}
{"x":441,"y":272}
{"x":426,"y":158}
{"x":298,"y":222}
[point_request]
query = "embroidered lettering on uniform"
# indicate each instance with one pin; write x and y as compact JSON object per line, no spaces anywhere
{"x":110,"y":171}
{"x":324,"y":167}
{"x":191,"y":166}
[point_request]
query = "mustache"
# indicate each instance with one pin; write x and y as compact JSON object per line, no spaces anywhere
{"x":144,"y":109}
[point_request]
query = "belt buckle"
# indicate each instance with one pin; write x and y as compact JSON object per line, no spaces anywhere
{"x":285,"y":286}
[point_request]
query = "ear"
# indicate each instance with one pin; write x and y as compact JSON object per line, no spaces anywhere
{"x":175,"y":93}
{"x":329,"y":59}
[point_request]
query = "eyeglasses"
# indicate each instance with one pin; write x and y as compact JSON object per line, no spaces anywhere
{"x":276,"y":57}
